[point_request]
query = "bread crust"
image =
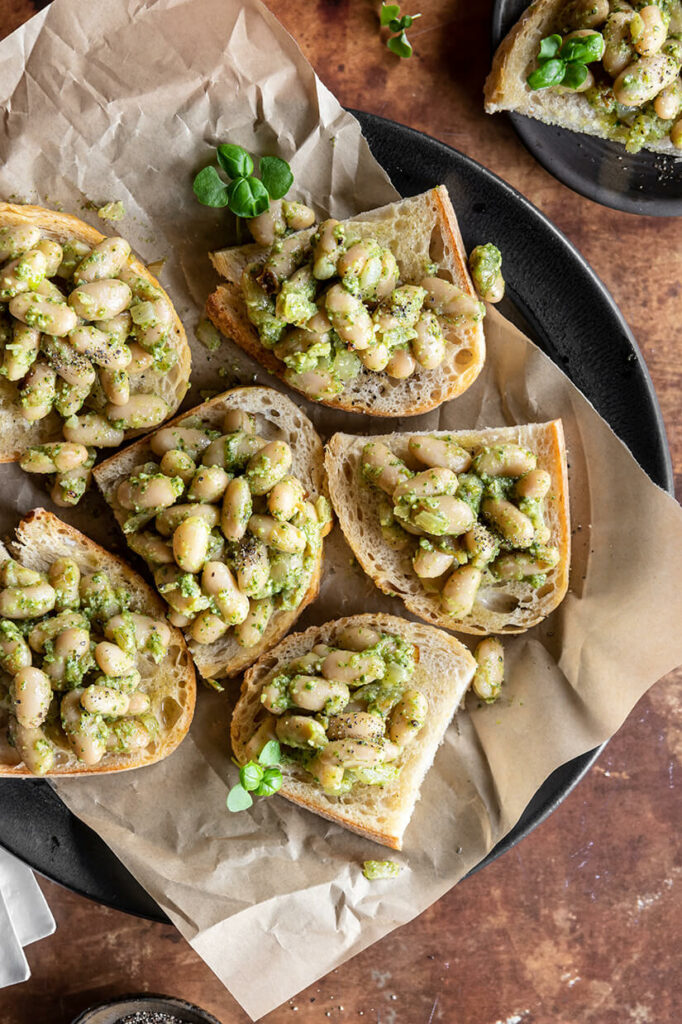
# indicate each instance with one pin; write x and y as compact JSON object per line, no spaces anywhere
{"x":61,"y":227}
{"x":372,"y":393}
{"x":211,"y":659}
{"x":444,"y":671}
{"x":506,"y":89}
{"x":355,"y":504}
{"x":40,"y":538}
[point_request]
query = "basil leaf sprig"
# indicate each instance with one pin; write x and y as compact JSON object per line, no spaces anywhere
{"x":390,"y":17}
{"x":262,"y":777}
{"x":245,"y":194}
{"x":565,"y":62}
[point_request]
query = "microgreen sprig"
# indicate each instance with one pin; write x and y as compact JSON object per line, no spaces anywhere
{"x":262,"y":777}
{"x":390,"y":17}
{"x":245,"y":194}
{"x":565,"y":63}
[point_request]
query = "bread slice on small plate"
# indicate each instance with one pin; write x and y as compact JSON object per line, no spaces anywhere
{"x":509,"y":606}
{"x":516,"y":57}
{"x":42,"y":538}
{"x":277,"y":418}
{"x":443,"y":673}
{"x":16,"y":433}
{"x":420,"y":231}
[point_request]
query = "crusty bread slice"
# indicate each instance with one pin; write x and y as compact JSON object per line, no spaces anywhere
{"x":41,"y":538}
{"x":419,"y":231}
{"x":515,"y":58}
{"x":16,"y":433}
{"x":443,"y":673}
{"x":276,"y":417}
{"x":509,"y":607}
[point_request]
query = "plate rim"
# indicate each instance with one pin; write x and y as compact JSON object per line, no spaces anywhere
{"x":640,"y":204}
{"x":583,"y":762}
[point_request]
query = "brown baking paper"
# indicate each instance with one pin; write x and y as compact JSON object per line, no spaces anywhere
{"x":123,"y":100}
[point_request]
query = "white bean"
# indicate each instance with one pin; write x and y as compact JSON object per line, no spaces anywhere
{"x":250,"y":632}
{"x":21,"y":352}
{"x":268,"y":466}
{"x":401,"y":365}
{"x":27,"y":602}
{"x":209,"y":484}
{"x":327,"y":247}
{"x":17,"y":238}
{"x":156,"y":491}
{"x":92,"y":429}
{"x":106,"y":260}
{"x":64,"y":575}
{"x":448,"y":300}
{"x":168,"y":521}
{"x":218,"y":582}
{"x":237,"y":509}
{"x":43,"y":312}
{"x":504,"y":460}
{"x":459,"y":593}
{"x":86,"y":733}
{"x":53,"y":253}
{"x":190,"y":543}
{"x":104,"y":700}
{"x":515,"y":527}
{"x":105,"y":350}
{"x":37,"y":392}
{"x":349,"y":317}
{"x":281,"y":536}
{"x":428,"y":348}
{"x":489,"y":674}
{"x":192,"y":440}
{"x":440,"y":451}
{"x":314,"y":694}
{"x":285,"y":497}
{"x":100,"y":300}
{"x":207,"y":627}
{"x":116,"y":385}
{"x":112,"y":660}
{"x":407,"y":717}
{"x":139,"y":411}
{"x":382,"y":468}
{"x":353,"y":667}
{"x":68,"y":363}
{"x":427,"y":484}
{"x":31,"y":694}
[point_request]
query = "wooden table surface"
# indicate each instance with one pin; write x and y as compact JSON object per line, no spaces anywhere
{"x":581,"y":922}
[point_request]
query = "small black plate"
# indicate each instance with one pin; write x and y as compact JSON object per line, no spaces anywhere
{"x":544,"y":274}
{"x":644,"y":182}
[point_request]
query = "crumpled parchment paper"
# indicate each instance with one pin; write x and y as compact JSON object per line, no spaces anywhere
{"x":124,"y":99}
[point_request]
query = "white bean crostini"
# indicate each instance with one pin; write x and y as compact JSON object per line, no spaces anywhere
{"x":92,"y":349}
{"x":359,"y":707}
{"x":226,"y":506}
{"x":92,"y":676}
{"x":374,"y":314}
{"x":469,"y":528}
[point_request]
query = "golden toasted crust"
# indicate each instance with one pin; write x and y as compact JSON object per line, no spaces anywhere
{"x":356,"y":505}
{"x":281,"y":418}
{"x":41,"y":538}
{"x":418,"y":224}
{"x":443,"y":673}
{"x":17,"y":434}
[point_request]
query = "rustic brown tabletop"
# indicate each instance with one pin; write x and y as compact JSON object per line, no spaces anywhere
{"x":582,"y":922}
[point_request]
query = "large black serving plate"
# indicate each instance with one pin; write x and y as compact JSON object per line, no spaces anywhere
{"x":644,"y":182}
{"x":546,"y":277}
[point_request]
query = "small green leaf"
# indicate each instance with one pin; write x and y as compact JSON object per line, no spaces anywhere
{"x":548,"y":74}
{"x":407,"y":20}
{"x":396,"y":25}
{"x":235,"y":161}
{"x":276,"y":176}
{"x":400,"y":46}
{"x":388,"y":12}
{"x":270,"y":754}
{"x":583,"y":49}
{"x":549,"y":47}
{"x":238,"y":799}
{"x":271,"y":782}
{"x":575,"y":75}
{"x":209,"y":188}
{"x":251,"y":775}
{"x":247,"y":197}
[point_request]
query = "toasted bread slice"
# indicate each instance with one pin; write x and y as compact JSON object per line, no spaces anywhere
{"x":277,"y":417}
{"x":16,"y":433}
{"x":443,"y":673}
{"x":419,"y":231}
{"x":516,"y":57}
{"x":41,"y":538}
{"x":509,"y":607}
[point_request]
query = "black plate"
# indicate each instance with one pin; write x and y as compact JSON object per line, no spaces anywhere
{"x":544,"y":274}
{"x":644,"y":182}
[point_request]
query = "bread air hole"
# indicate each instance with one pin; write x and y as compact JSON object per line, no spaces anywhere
{"x":170,"y":712}
{"x":464,"y":357}
{"x":494,"y":600}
